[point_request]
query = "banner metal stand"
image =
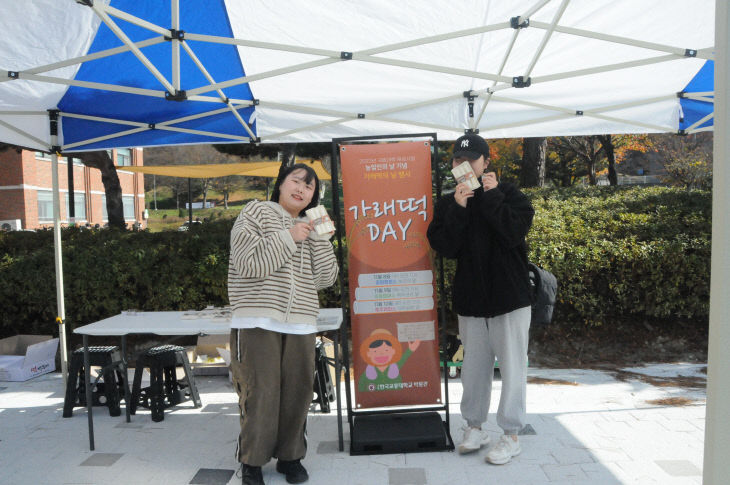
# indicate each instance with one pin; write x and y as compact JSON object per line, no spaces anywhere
{"x":409,"y":429}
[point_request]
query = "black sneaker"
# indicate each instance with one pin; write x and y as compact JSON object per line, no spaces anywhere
{"x":251,"y":475}
{"x":293,"y":470}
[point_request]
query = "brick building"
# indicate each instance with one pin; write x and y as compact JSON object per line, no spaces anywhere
{"x":26,"y":189}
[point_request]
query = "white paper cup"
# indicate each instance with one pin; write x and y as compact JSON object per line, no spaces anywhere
{"x":463,"y":173}
{"x":320,"y":220}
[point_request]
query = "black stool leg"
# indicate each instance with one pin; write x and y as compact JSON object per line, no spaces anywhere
{"x":191,"y":380}
{"x":171,"y":387}
{"x":136,"y":386}
{"x":320,"y":380}
{"x":157,"y":393}
{"x":111,"y":388}
{"x":72,"y":386}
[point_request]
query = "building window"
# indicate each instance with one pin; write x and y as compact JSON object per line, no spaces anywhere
{"x":79,"y":207}
{"x":45,"y":205}
{"x":128,"y":204}
{"x":77,"y":161}
{"x":124,"y":157}
{"x":42,"y":156}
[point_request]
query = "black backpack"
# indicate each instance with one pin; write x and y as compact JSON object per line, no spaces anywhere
{"x":544,"y":288}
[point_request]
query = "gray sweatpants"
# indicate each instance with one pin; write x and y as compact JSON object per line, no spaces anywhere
{"x":273,"y":374}
{"x":504,"y":337}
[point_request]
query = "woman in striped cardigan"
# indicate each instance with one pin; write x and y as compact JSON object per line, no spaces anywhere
{"x":276,"y":266}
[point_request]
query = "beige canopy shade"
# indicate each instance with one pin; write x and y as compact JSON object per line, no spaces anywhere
{"x":251,"y":169}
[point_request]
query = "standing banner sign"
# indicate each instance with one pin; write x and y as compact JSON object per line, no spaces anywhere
{"x":388,"y":206}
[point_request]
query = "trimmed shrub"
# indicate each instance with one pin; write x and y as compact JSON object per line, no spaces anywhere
{"x":625,"y":254}
{"x":621,"y":255}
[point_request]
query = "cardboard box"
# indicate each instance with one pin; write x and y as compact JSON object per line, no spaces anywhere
{"x":26,"y":356}
{"x":204,"y":357}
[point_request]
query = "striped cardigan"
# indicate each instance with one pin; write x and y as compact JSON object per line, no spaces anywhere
{"x":269,"y":275}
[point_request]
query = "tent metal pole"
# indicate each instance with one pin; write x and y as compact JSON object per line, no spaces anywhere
{"x":431,"y":68}
{"x":533,"y":9}
{"x":702,"y":120}
{"x":22,"y":133}
{"x":120,"y":14}
{"x":175,"y":14}
{"x":92,"y":85}
{"x":255,"y":77}
{"x":91,"y":57}
{"x":60,"y":304}
{"x":499,"y":73}
{"x":546,"y":37}
{"x":222,"y":95}
{"x":700,"y":130}
{"x":101,"y":138}
{"x":717,"y":427}
{"x":214,"y":39}
{"x":71,"y":216}
{"x":190,"y":204}
{"x":620,"y":40}
{"x":128,"y":42}
{"x":606,"y":68}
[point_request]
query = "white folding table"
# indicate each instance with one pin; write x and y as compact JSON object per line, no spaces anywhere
{"x":205,"y":322}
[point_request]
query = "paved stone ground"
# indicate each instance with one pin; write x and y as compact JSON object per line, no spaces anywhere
{"x":590,"y":427}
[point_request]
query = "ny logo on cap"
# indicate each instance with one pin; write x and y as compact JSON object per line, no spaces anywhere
{"x":464,"y":143}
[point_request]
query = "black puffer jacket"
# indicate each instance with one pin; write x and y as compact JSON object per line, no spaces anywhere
{"x":487,"y":238}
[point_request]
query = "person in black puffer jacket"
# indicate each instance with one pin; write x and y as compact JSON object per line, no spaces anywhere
{"x":484,"y":230}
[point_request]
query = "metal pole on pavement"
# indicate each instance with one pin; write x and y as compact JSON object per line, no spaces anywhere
{"x":60,"y":305}
{"x":716,"y":467}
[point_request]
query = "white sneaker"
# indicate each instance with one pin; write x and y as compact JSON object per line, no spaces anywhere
{"x":503,"y":451}
{"x":474,"y":438}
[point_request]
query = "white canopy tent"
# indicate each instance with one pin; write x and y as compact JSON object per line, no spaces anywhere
{"x":124,"y":73}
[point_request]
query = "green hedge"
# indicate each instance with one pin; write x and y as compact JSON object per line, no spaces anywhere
{"x":108,"y":271}
{"x":626,"y":254}
{"x":621,"y":256}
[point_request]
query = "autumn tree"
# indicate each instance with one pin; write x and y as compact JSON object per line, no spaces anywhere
{"x":505,"y":158}
{"x":563,"y":165}
{"x":687,"y":159}
{"x":227,"y":185}
{"x":616,"y":147}
{"x":586,"y":149}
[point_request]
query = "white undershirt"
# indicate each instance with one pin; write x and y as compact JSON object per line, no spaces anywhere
{"x":273,"y":325}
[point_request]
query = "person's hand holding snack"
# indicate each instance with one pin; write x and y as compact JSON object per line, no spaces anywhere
{"x":489,"y":181}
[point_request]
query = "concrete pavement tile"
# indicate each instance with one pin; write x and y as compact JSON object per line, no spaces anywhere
{"x":208,"y":476}
{"x":572,"y":456}
{"x":598,"y":473}
{"x":677,"y":424}
{"x":614,"y":427}
{"x":609,"y":454}
{"x":679,"y":468}
{"x":564,"y":472}
{"x":406,"y":476}
{"x":102,"y":459}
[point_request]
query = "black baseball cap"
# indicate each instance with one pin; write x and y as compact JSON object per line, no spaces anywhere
{"x":471,"y":146}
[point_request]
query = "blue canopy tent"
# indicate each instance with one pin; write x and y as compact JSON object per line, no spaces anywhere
{"x":95,"y":74}
{"x":697,"y":101}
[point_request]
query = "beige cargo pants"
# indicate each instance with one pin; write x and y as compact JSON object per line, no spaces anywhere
{"x":273,"y":374}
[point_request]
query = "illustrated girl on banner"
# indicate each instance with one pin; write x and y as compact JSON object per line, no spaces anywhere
{"x":385,"y":357}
